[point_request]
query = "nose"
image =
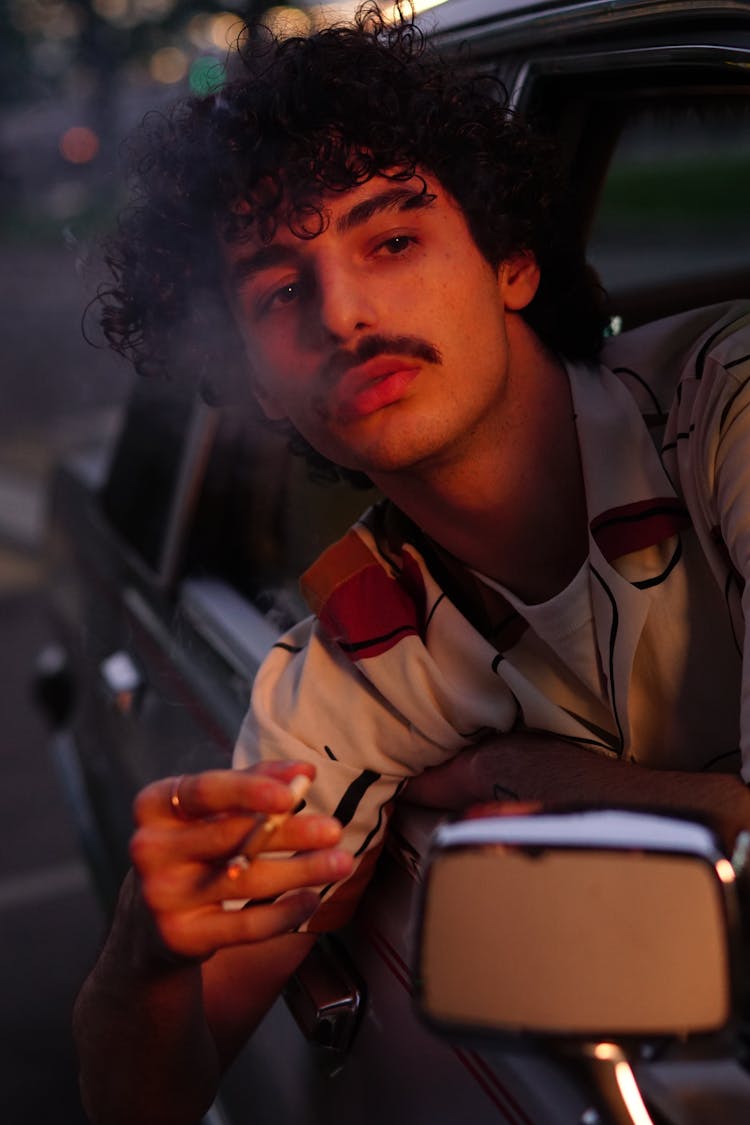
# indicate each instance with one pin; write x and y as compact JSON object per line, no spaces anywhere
{"x":346,"y":304}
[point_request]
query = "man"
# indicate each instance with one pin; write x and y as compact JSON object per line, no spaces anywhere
{"x":546,"y":608}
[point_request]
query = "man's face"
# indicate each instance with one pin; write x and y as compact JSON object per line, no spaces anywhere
{"x":385,"y":339}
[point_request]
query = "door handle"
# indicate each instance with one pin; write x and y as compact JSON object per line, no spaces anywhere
{"x":326,"y":998}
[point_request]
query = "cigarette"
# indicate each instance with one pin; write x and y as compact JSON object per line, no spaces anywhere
{"x":253,"y":843}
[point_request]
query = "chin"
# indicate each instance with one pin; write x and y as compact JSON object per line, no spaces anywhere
{"x":398,"y":447}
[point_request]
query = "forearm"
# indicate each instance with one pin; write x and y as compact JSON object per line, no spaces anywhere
{"x":542,"y":768}
{"x":146,"y":1053}
{"x":553,"y":772}
{"x":182,"y":981}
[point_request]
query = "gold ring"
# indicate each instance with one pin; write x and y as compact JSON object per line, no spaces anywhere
{"x":175,"y":803}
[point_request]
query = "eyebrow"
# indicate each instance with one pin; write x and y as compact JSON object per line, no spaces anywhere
{"x":401,"y":198}
{"x":246,"y":266}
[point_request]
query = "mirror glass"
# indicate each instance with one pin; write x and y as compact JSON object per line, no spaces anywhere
{"x":588,"y":942}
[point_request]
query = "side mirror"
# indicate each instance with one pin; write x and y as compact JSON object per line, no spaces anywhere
{"x":596,"y":925}
{"x":596,"y":931}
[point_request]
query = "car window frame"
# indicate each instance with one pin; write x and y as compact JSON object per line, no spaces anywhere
{"x":632,"y":72}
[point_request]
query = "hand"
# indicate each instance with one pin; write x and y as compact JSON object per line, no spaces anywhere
{"x":180,"y":855}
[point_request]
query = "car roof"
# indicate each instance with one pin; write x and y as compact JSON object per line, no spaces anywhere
{"x":455,"y":13}
{"x":450,"y":17}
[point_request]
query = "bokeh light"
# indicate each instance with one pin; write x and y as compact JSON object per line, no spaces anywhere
{"x":51,"y":57}
{"x":168,"y":65}
{"x":114,"y":11}
{"x":154,"y":9}
{"x":221,"y":30}
{"x":53,"y":19}
{"x":326,"y":14}
{"x":207,"y":75}
{"x":286,"y":22}
{"x":198,"y":30}
{"x":129,"y":13}
{"x":79,"y":144}
{"x":224,"y":30}
{"x":397,"y":11}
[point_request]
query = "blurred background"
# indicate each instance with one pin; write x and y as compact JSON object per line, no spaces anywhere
{"x":75,"y":76}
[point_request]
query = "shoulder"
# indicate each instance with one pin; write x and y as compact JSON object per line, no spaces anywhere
{"x":654,"y":360}
{"x":367,"y":590}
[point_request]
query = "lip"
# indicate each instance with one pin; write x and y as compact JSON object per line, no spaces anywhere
{"x":370,"y":386}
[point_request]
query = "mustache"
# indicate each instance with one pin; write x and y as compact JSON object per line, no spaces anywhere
{"x":412,"y":347}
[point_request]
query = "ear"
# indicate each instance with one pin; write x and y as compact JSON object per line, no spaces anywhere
{"x":518,"y":280}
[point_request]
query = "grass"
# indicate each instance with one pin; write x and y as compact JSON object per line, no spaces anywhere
{"x":681,"y":190}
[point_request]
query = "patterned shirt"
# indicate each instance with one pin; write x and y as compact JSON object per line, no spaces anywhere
{"x":409,"y":657}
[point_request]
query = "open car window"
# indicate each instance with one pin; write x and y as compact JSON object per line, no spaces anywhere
{"x":657,"y":144}
{"x":673,"y":211}
{"x":156,"y":468}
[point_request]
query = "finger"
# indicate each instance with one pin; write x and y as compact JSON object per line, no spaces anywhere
{"x":282,"y":770}
{"x":267,"y":878}
{"x":215,"y":792}
{"x":181,"y":888}
{"x":209,"y":841}
{"x":200,"y":934}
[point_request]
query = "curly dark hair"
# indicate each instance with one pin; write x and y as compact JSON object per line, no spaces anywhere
{"x":304,"y":116}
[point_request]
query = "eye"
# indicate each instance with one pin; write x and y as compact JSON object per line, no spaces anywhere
{"x":397,"y":243}
{"x":286,"y":294}
{"x":279,"y":298}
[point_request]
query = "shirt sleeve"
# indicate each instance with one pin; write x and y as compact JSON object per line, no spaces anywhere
{"x":733,"y":502}
{"x":713,"y":443}
{"x":311,"y":703}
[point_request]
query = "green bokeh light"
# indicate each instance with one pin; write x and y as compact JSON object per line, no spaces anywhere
{"x":206,"y":75}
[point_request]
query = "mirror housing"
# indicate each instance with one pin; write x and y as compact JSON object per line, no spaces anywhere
{"x":602,"y":924}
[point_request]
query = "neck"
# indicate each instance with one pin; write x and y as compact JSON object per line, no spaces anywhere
{"x":514,"y":509}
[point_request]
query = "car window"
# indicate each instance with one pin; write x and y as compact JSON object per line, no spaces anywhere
{"x":674,"y":203}
{"x":657,"y":145}
{"x":158,"y":458}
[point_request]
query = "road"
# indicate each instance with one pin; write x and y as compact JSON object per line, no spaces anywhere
{"x":55,"y":392}
{"x":50,"y":925}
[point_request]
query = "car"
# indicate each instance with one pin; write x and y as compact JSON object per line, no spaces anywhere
{"x":175,"y":551}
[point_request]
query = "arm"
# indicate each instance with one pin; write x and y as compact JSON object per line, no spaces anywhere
{"x":533,"y":767}
{"x":181,"y":982}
